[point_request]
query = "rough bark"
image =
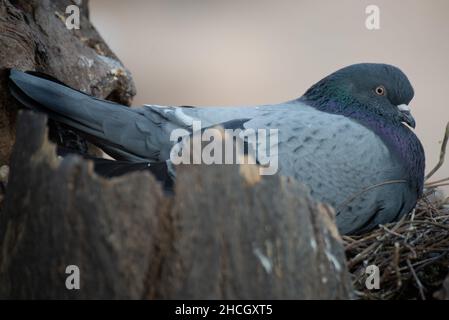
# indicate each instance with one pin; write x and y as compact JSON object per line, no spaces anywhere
{"x":57,"y":213}
{"x":221,"y":235}
{"x":33,"y":36}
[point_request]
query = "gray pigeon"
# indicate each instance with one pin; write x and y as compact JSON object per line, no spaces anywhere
{"x":345,"y":138}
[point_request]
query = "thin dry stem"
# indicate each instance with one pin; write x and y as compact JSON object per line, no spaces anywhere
{"x":442,"y":153}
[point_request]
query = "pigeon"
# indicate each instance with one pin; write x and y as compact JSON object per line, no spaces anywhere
{"x":349,"y":138}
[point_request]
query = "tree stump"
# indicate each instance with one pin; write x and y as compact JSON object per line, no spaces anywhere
{"x":221,"y":235}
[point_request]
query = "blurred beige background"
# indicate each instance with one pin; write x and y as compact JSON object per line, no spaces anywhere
{"x":242,"y":52}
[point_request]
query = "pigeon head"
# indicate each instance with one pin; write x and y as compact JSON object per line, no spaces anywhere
{"x":367,"y":89}
{"x":376,"y":96}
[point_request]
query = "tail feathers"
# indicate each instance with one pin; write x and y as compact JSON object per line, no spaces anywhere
{"x":70,"y":106}
{"x":99,"y":121}
{"x":111,"y":168}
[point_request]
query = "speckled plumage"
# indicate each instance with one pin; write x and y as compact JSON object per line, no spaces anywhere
{"x":347,"y":144}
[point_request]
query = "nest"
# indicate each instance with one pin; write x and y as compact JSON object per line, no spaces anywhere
{"x":412,"y":254}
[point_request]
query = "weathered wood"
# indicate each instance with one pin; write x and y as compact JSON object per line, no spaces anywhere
{"x":221,"y":235}
{"x":33,"y":36}
{"x":57,"y":213}
{"x":234,"y":238}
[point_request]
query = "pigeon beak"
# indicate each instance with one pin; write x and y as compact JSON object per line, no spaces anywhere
{"x":406,"y":115}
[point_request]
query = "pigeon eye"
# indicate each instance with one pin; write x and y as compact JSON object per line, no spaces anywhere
{"x":380,"y":90}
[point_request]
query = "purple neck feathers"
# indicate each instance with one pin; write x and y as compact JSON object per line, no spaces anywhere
{"x":400,"y":140}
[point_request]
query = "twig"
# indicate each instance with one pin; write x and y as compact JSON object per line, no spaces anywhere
{"x":392,"y":232}
{"x":441,"y":185}
{"x":396,"y":260}
{"x":351,"y":198}
{"x":361,"y":256}
{"x":442,"y":153}
{"x":418,"y":282}
{"x":430,"y":222}
{"x":429,"y":184}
